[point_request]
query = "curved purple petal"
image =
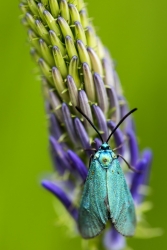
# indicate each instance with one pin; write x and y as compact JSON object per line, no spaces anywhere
{"x":69,"y":123}
{"x":82,"y":134}
{"x":117,"y":83}
{"x":97,"y":143}
{"x":141,"y":178}
{"x":54,"y":127}
{"x":101,"y":92}
{"x":56,"y":161}
{"x":101,"y":121}
{"x":61,"y":155}
{"x":61,"y":195}
{"x":78,"y":164}
{"x":118,"y":137}
{"x":114,"y":104}
{"x":128,"y":123}
{"x":108,"y":72}
{"x":113,"y":240}
{"x":133,"y":146}
{"x":85,"y":107}
{"x":147,"y":154}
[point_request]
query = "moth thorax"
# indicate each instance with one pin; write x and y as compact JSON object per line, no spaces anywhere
{"x":105,"y":159}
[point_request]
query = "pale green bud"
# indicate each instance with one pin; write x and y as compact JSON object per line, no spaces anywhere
{"x":59,"y":61}
{"x":64,"y":10}
{"x":80,"y":33}
{"x":54,"y":7}
{"x":71,"y":49}
{"x":73,"y":71}
{"x":74,"y":14}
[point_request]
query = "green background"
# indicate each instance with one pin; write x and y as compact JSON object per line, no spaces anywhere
{"x":136,"y":34}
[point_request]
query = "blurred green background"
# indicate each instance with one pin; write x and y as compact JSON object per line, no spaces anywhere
{"x":136,"y":34}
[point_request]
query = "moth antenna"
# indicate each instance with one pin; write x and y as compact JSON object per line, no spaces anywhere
{"x":79,"y":110}
{"x":130,"y":112}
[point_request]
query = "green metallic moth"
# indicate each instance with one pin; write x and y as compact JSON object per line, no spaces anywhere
{"x":106,"y":195}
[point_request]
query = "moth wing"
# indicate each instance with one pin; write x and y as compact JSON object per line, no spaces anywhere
{"x":93,"y":213}
{"x":122,"y":210}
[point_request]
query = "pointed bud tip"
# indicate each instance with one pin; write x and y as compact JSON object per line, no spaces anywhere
{"x":80,"y":43}
{"x":85,"y":66}
{"x":51,"y":32}
{"x":41,"y":41}
{"x":68,"y":38}
{"x":55,"y":48}
{"x":41,"y":61}
{"x":69,"y":78}
{"x":40,"y":5}
{"x":54,"y":69}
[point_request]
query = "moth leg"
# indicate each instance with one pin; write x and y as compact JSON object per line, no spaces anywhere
{"x":130,"y":167}
{"x":120,"y":146}
{"x":90,"y":149}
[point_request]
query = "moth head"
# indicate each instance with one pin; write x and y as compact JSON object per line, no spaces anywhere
{"x":105,"y":146}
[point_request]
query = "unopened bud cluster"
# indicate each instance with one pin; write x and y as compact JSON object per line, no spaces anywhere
{"x":76,"y":70}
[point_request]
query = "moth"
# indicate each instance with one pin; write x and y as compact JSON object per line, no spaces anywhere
{"x":106,"y":195}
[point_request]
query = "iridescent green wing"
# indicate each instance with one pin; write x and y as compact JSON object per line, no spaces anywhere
{"x":93,"y":213}
{"x":122,"y":210}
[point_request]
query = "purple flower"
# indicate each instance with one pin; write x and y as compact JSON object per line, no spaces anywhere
{"x":77,"y":70}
